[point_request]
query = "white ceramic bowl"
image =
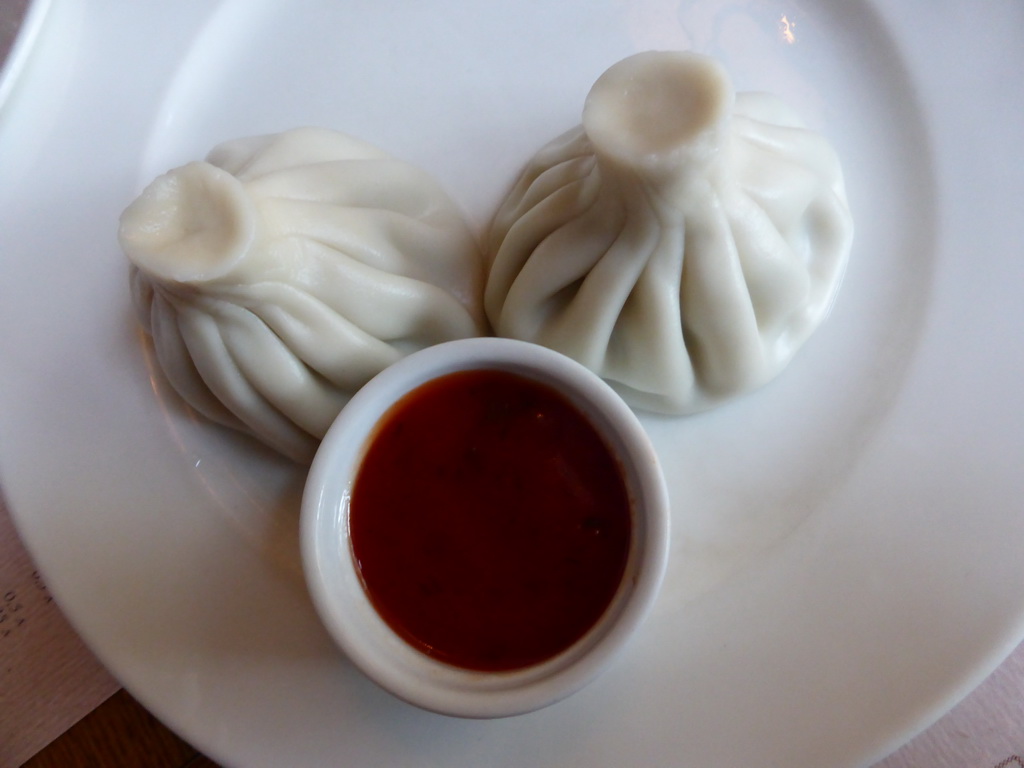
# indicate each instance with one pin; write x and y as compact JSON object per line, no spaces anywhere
{"x":335,"y":584}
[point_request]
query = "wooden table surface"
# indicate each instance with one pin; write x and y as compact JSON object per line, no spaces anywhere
{"x":120,"y":733}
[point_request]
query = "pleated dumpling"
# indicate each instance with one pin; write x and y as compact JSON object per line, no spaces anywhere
{"x":282,"y":273}
{"x":683,"y":242}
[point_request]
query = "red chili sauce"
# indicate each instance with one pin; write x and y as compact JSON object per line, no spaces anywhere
{"x":489,"y":520}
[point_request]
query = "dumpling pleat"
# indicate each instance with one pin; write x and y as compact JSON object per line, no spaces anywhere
{"x":415,"y":309}
{"x":829,"y":235}
{"x":569,"y":203}
{"x":385,"y":240}
{"x":647,"y":351}
{"x":608,"y":279}
{"x":766,"y":108}
{"x":213,"y":361}
{"x":254,"y":157}
{"x":276,"y":373}
{"x":366,"y":183}
{"x":176,"y":362}
{"x":545,"y":184}
{"x":717,"y":314}
{"x":776,"y":276}
{"x":302,"y":322}
{"x":561,"y":161}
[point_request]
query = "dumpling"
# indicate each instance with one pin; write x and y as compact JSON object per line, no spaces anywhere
{"x":683,"y":242}
{"x":283,"y":272}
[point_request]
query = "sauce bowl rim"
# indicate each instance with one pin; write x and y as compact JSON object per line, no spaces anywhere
{"x":336,"y":588}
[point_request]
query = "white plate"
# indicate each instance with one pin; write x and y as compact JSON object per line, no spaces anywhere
{"x":846,"y":561}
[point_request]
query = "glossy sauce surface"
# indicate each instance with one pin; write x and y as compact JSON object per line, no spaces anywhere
{"x":490,"y":522}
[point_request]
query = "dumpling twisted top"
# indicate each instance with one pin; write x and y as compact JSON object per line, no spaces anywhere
{"x":683,"y":242}
{"x":284,"y":271}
